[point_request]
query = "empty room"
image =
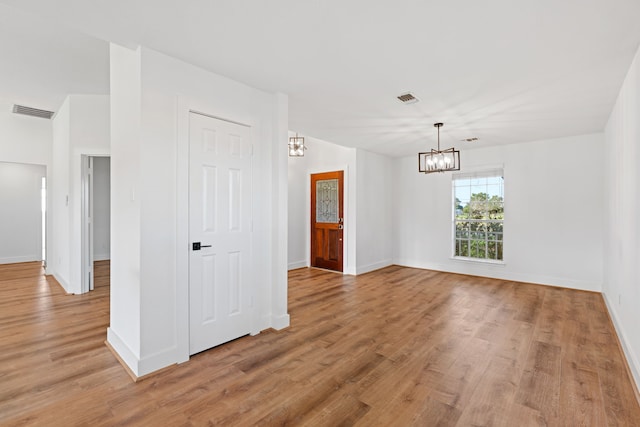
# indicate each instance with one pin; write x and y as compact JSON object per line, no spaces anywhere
{"x":319,"y":213}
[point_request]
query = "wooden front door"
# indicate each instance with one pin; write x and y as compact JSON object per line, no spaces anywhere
{"x":327,"y":225}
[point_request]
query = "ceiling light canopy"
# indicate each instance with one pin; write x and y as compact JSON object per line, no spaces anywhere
{"x":439,"y":160}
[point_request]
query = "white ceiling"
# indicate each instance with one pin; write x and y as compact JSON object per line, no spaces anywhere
{"x":504,"y":71}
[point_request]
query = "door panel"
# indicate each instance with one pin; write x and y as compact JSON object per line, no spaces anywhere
{"x":327,"y":220}
{"x":220,"y":220}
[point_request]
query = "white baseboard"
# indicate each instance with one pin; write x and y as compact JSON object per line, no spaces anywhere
{"x":372,"y":267}
{"x":280,"y":322}
{"x":499,"y":271}
{"x":101,"y":257}
{"x":126,"y":355}
{"x":62,"y":282}
{"x":16,"y":259}
{"x":146,"y":365}
{"x":157,"y":361}
{"x":297,"y":264}
{"x":632,"y":359}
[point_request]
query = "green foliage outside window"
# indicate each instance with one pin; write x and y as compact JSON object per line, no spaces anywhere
{"x":479,"y":223}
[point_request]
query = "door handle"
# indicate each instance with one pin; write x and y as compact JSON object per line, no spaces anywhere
{"x":340,"y":227}
{"x":196,"y":246}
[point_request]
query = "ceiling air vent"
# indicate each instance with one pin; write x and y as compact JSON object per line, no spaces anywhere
{"x":408,"y":98}
{"x":28,"y":111}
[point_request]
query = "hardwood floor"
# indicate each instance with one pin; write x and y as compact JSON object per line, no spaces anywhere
{"x":398,"y":346}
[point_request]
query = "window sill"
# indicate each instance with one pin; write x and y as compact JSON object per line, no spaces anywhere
{"x":478,"y":260}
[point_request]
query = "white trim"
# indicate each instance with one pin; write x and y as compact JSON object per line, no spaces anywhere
{"x":478,"y":260}
{"x":24,"y":258}
{"x":297,"y":264}
{"x":200,"y":113}
{"x":125,"y":353}
{"x":496,"y":271}
{"x":372,"y":267}
{"x":280,"y":322}
{"x":86,"y":223}
{"x":62,"y":282}
{"x":147,"y":365}
{"x":157,"y":361}
{"x":631,"y":358}
{"x":181,"y":337}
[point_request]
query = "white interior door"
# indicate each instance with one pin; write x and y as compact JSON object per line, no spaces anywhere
{"x":220,"y":231}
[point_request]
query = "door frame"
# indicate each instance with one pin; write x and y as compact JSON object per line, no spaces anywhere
{"x":348,"y":250}
{"x":313,"y":224}
{"x":86,"y":217}
{"x":184,"y":107}
{"x":86,"y":227}
{"x":247,"y":271}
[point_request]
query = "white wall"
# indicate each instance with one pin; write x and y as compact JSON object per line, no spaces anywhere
{"x":553,"y":213}
{"x":20,"y":212}
{"x":151,"y":98}
{"x":320,"y":156}
{"x":59,"y":262}
{"x":28,"y":140}
{"x":125,"y":85}
{"x":81,"y":126}
{"x":374,"y":188}
{"x":24,"y":139}
{"x":101,"y":208}
{"x":622,"y":216}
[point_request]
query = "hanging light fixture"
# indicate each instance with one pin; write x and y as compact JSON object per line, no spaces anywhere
{"x":439,"y":160}
{"x":296,"y":146}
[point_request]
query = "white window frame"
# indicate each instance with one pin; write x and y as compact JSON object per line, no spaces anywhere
{"x":479,"y":173}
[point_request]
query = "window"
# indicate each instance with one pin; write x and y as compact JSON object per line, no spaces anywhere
{"x":478,"y":215}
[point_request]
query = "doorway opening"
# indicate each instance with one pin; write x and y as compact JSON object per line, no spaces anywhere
{"x":96,"y":221}
{"x":22,"y":222}
{"x":43,"y":209}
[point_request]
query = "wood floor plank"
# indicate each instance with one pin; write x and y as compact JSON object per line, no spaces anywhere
{"x":539,"y":387}
{"x":580,"y":394}
{"x":398,"y":346}
{"x":493,"y":396}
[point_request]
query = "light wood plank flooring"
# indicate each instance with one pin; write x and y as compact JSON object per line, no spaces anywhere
{"x":396,"y":347}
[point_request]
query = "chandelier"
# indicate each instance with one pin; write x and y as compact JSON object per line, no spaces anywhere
{"x":296,"y":146}
{"x":439,"y":160}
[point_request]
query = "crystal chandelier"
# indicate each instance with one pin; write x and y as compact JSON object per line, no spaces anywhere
{"x":439,"y":160}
